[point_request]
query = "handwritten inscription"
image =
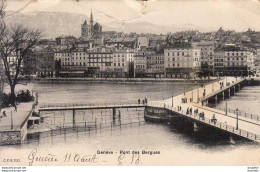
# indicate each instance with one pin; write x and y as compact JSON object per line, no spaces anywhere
{"x":33,"y":157}
{"x":125,"y":157}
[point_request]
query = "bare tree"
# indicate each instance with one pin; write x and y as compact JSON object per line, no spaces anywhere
{"x":2,"y":28}
{"x":16,"y":42}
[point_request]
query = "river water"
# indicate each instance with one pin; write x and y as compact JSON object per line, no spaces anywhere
{"x":176,"y":147}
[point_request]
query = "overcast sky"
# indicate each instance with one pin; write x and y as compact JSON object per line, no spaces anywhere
{"x":208,"y":14}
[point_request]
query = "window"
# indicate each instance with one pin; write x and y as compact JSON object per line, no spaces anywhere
{"x":118,"y":64}
{"x":123,"y":64}
{"x":114,"y":64}
{"x":173,"y":59}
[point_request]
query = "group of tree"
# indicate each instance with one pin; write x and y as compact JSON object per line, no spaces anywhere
{"x":17,"y":41}
{"x":22,"y":96}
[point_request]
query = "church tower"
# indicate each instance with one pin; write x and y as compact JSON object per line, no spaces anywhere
{"x":91,"y":18}
{"x":84,"y":29}
{"x":88,"y":30}
{"x":91,"y":24}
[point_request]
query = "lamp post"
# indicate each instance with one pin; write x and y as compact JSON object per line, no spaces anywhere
{"x":12,"y":120}
{"x":192,"y":95}
{"x":237,"y":119}
{"x":226,"y":108}
{"x":198,"y":95}
{"x":172,"y":99}
{"x":184,"y":88}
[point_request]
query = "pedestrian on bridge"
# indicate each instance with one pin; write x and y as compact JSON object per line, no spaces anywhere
{"x":4,"y":113}
{"x":213,"y":119}
{"x":196,"y":111}
{"x":187,"y":112}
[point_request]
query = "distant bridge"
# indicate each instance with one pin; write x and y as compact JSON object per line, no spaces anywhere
{"x":74,"y":107}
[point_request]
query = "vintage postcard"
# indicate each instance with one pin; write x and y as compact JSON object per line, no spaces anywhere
{"x":130,"y":83}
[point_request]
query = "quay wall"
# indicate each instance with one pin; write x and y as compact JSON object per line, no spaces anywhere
{"x":122,"y":80}
{"x":17,"y":135}
{"x":10,"y":137}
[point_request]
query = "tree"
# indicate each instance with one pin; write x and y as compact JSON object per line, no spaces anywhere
{"x":2,"y":13}
{"x":17,"y":42}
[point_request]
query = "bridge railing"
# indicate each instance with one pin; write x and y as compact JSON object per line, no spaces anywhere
{"x":216,"y":124}
{"x":243,"y":114}
{"x":90,"y":104}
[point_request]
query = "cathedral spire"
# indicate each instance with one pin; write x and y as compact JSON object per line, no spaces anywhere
{"x":91,"y":18}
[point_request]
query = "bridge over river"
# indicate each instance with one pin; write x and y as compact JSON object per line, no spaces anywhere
{"x":191,"y":105}
{"x":196,"y":100}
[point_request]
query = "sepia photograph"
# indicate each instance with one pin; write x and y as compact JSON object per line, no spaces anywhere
{"x":129,"y":83}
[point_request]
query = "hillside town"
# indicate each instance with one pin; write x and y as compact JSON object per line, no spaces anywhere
{"x":186,"y":54}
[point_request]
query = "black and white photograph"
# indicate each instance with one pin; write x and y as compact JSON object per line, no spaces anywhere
{"x":129,"y":83}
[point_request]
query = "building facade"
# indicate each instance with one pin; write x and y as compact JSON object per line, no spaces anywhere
{"x":123,"y":63}
{"x":45,"y":63}
{"x":181,"y":61}
{"x":207,"y":57}
{"x":231,"y":61}
{"x":155,"y":65}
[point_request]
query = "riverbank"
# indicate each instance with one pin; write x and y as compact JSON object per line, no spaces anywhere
{"x":125,"y":80}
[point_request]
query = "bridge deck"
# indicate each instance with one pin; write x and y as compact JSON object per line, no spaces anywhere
{"x":218,"y":91}
{"x":86,"y":107}
{"x":247,"y":127}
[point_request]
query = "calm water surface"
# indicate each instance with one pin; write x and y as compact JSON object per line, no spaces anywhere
{"x":179,"y":148}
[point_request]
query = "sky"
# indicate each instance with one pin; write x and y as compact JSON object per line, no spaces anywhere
{"x":207,"y":14}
